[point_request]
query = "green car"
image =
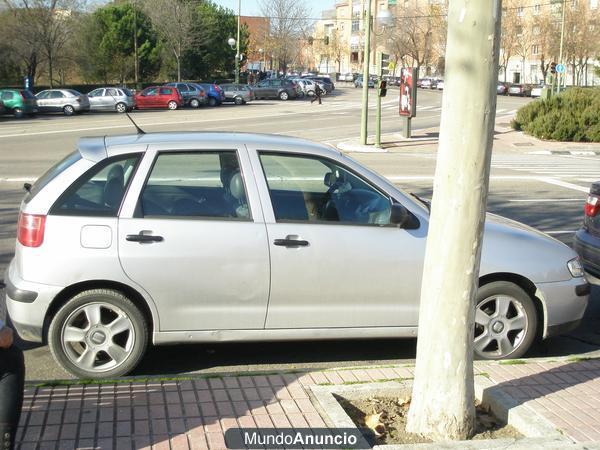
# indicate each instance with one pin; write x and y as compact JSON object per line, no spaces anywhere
{"x":18,"y":101}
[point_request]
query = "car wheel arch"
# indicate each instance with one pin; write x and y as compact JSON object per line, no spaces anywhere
{"x":146,"y":306}
{"x":529,"y":287}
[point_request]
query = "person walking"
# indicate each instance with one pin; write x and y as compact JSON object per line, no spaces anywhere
{"x":318,"y":93}
{"x":12,"y":380}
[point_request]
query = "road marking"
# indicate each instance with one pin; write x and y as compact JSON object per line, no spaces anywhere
{"x":564,"y":184}
{"x":547,"y":200}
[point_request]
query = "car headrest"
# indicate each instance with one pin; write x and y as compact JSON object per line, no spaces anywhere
{"x":334,"y":177}
{"x":236,"y":186}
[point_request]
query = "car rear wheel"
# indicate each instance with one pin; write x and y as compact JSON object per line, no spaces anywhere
{"x":172,"y":105}
{"x":121,"y":107}
{"x":68,"y":110}
{"x":311,"y":93}
{"x":18,"y":112}
{"x":194,"y":103}
{"x":238,"y":100}
{"x":505,"y":321}
{"x":212,"y":101}
{"x":283,"y":95}
{"x":98,"y":333}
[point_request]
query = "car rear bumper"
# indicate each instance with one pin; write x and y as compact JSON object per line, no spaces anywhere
{"x":564,"y":304}
{"x":27,"y":304}
{"x":587,"y":247}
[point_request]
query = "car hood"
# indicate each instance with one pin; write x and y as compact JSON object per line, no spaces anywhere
{"x":513,"y":247}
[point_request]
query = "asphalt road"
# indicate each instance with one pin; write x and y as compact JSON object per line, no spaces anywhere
{"x":28,"y":147}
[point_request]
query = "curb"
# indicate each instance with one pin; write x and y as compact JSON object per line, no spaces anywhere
{"x":351,"y":147}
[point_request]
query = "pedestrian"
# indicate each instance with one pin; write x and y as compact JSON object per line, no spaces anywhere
{"x":250,"y":78}
{"x":12,"y":379}
{"x":318,"y":93}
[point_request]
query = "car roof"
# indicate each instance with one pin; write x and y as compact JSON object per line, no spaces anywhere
{"x":100,"y":147}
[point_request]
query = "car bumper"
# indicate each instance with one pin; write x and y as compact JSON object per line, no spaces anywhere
{"x":564,"y":304}
{"x":27,"y":304}
{"x":587,"y":247}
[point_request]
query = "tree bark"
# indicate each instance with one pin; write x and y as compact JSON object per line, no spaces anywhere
{"x":442,"y":404}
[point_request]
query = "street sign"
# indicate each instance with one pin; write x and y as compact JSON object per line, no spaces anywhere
{"x":408,"y":92}
{"x":560,"y":68}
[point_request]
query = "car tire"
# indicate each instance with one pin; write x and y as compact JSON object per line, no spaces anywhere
{"x":68,"y":110}
{"x":195,"y":103}
{"x":310,"y":93}
{"x":73,"y":318}
{"x":212,"y":101}
{"x":506,"y":321}
{"x":283,"y":95}
{"x":18,"y":112}
{"x":121,"y":108}
{"x":172,"y":105}
{"x":238,"y":100}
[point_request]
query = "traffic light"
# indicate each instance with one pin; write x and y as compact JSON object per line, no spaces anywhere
{"x":385,"y":63}
{"x":382,"y":88}
{"x":553,"y":67}
{"x":326,"y":40}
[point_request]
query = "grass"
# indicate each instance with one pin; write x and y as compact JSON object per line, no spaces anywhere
{"x":512,"y":362}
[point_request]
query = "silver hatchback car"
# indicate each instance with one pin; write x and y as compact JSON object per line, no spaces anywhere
{"x":67,"y":101}
{"x":211,"y":237}
{"x":111,"y":99}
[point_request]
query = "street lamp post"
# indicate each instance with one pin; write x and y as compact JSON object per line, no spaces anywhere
{"x":560,"y":52}
{"x":364,"y":117}
{"x":233,"y":43}
{"x":237,"y":50}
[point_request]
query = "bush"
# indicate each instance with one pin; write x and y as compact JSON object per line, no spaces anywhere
{"x":573,"y":115}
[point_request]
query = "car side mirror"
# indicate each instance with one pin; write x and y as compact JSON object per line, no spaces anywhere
{"x":399,"y":215}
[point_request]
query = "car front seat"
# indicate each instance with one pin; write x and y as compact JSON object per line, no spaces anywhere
{"x":114,"y":187}
{"x":236,"y":189}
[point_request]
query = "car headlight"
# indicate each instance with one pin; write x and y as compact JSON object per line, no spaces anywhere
{"x":575,"y":268}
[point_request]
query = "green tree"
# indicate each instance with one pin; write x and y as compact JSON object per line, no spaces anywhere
{"x":108,"y":35}
{"x":210,"y":56}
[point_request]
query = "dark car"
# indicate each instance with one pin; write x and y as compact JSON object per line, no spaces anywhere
{"x":214,"y":93}
{"x":326,"y":81}
{"x":587,"y":238}
{"x":523,"y":90}
{"x":18,"y":102}
{"x":502,"y":89}
{"x":193,"y":94}
{"x":276,"y":88}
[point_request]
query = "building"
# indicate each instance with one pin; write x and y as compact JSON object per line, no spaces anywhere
{"x":258,"y":56}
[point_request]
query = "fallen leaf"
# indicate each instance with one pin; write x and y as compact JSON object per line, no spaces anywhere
{"x":373,"y":422}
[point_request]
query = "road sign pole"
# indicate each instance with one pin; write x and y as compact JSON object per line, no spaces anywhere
{"x":378,"y":110}
{"x":364,"y":117}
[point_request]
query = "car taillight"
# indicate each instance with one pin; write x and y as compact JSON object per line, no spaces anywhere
{"x":31,"y":229}
{"x":592,"y":206}
{"x":202,"y":94}
{"x":216,"y":88}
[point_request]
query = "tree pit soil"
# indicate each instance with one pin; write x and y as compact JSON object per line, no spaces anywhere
{"x":394,"y":411}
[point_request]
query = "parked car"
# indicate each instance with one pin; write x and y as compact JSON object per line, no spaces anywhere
{"x":2,"y":108}
{"x":193,"y":94}
{"x":238,"y":93}
{"x":276,"y":88}
{"x":502,"y":89}
{"x":587,"y":238}
{"x":325,"y":81}
{"x":536,"y":91}
{"x":523,"y":90}
{"x":346,"y":77}
{"x":440,"y":85}
{"x":308,"y":87}
{"x":358,"y":83}
{"x":214,"y":93}
{"x":67,"y":101}
{"x":426,"y":83}
{"x":18,"y":102}
{"x":159,"y":97}
{"x":107,"y":235}
{"x":111,"y":99}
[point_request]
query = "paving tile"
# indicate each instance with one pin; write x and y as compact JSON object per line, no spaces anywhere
{"x":51,"y":432}
{"x":123,"y":428}
{"x":175,"y":410}
{"x":68,"y":432}
{"x":87,"y":431}
{"x":141,"y":428}
{"x":159,"y":427}
{"x":105,"y":444}
{"x":263,"y":421}
{"x":297,"y":420}
{"x":105,"y":429}
{"x":347,"y":376}
{"x":245,"y":382}
{"x":280,"y":421}
{"x":333,"y":377}
{"x":208,"y":409}
{"x":216,"y":441}
{"x":260,"y":381}
{"x":246,"y":422}
{"x":197,"y":440}
{"x":212,"y":425}
{"x":200,"y":384}
{"x":204,"y":396}
{"x":276,"y":380}
{"x":216,"y":383}
{"x":66,"y":444}
{"x":235,"y":394}
{"x":227,"y":423}
{"x":177,"y":426}
{"x":180,"y":442}
{"x":160,"y":442}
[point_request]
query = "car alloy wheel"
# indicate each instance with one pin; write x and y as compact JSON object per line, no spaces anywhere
{"x":18,"y":112}
{"x":212,"y":101}
{"x":283,"y":95}
{"x":172,"y":105}
{"x":238,"y":100}
{"x":310,"y":93}
{"x":194,"y":103}
{"x":121,"y":107}
{"x":505,"y":321}
{"x":68,"y":110}
{"x":98,"y":333}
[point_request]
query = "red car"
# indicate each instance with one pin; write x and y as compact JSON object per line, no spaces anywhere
{"x":159,"y":97}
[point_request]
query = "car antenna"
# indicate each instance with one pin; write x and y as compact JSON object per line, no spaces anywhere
{"x":138,"y":129}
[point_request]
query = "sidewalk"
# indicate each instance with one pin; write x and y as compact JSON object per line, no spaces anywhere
{"x":194,"y":413}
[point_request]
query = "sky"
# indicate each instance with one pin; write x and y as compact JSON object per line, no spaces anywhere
{"x":252,"y":7}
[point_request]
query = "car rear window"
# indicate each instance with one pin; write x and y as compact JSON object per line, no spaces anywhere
{"x":27,"y":94}
{"x":127,"y":92}
{"x":166,"y":91}
{"x":52,"y":173}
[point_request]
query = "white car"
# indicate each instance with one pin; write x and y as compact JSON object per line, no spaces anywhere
{"x":537,"y":91}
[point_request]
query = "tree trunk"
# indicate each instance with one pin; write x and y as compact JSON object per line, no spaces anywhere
{"x":442,"y":404}
{"x":50,"y":74}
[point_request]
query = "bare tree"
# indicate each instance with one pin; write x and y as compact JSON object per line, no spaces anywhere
{"x":508,"y":37}
{"x":582,"y":32}
{"x":524,"y":44}
{"x":172,"y":19}
{"x":546,"y":31}
{"x":289,"y":23}
{"x":50,"y":24}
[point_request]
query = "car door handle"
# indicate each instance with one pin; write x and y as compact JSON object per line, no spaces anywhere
{"x":143,"y":238}
{"x":290,"y":243}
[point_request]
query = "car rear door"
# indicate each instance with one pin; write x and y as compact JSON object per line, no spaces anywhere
{"x":43,"y":101}
{"x":96,"y":99}
{"x":56,"y":101}
{"x":336,"y":262}
{"x":192,"y":234}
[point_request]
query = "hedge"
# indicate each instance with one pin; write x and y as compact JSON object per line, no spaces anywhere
{"x":573,"y":115}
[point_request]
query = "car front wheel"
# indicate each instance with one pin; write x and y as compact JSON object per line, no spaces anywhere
{"x":283,"y":95}
{"x":121,"y":108}
{"x":68,"y":110}
{"x":505,"y":321}
{"x":172,"y":105}
{"x":194,"y":103}
{"x":212,"y":101}
{"x":98,"y":333}
{"x":238,"y":100}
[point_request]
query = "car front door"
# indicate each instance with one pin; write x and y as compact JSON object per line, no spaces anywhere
{"x":193,"y":236}
{"x":56,"y":101}
{"x":96,"y":99}
{"x":43,"y":101}
{"x":147,"y":99}
{"x":110,"y":99}
{"x":336,"y":262}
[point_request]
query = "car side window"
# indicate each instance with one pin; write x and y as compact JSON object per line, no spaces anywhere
{"x":56,"y":94}
{"x":191,"y":88}
{"x":96,"y":93}
{"x":166,"y":91}
{"x":7,"y":96}
{"x":100,"y":191}
{"x":111,"y":93}
{"x":150,"y":92}
{"x":196,"y":184}
{"x":312,"y":189}
{"x":43,"y":95}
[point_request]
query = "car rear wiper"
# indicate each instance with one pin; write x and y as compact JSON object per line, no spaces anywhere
{"x":427,"y":203}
